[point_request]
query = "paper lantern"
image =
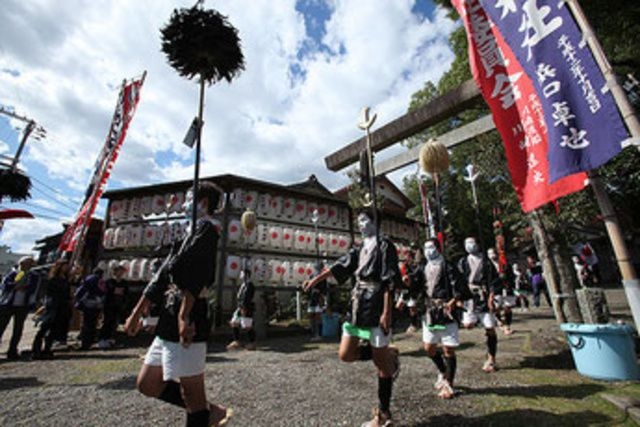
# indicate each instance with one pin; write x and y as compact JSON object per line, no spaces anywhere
{"x":288,"y":207}
{"x":150,"y":235}
{"x":263,"y":236}
{"x":311,"y":240}
{"x":237,"y":198}
{"x":248,"y":220}
{"x":300,"y":210}
{"x":310,"y":271}
{"x":332,"y":215}
{"x":111,"y":265}
{"x":234,"y":231}
{"x":312,"y":206}
{"x":166,"y":234}
{"x":287,"y":238}
{"x":300,"y":239}
{"x":107,"y":238}
{"x":158,"y":206}
{"x":275,"y":237}
{"x":259,"y":270}
{"x":344,"y":240}
{"x":299,"y":271}
{"x":323,"y":211}
{"x":134,"y":208}
{"x":323,"y":242}
{"x":146,"y":204}
{"x":134,"y":238}
{"x":434,"y":157}
{"x":115,"y":210}
{"x":334,"y":243}
{"x":135,"y":269}
{"x":175,"y":202}
{"x":264,"y":200}
{"x":275,"y":207}
{"x":251,"y":199}
{"x":233,"y":266}
{"x":287,"y":276}
{"x":276,"y":271}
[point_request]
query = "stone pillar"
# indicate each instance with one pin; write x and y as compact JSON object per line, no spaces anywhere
{"x":593,"y":305}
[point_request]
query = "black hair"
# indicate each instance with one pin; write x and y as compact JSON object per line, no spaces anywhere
{"x":211,"y":192}
{"x":370,"y":212}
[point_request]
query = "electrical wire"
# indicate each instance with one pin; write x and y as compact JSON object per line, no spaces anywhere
{"x":36,"y":206}
{"x":54,"y":199}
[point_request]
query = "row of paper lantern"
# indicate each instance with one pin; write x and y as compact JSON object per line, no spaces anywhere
{"x":130,"y":209}
{"x":136,"y":269}
{"x":136,"y":235}
{"x":272,"y":236}
{"x":267,"y":205}
{"x":271,"y":270}
{"x":399,"y":230}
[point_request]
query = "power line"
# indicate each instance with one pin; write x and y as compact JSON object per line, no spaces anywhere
{"x":33,"y":205}
{"x":49,"y":196}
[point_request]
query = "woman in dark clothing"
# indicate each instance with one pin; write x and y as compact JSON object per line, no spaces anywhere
{"x":114,"y":302}
{"x":90,"y":300}
{"x":56,"y":305}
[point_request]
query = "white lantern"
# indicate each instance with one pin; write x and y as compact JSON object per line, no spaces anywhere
{"x":300,"y":210}
{"x":134,"y":208}
{"x":237,"y":198}
{"x":275,"y":237}
{"x":258,"y":269}
{"x":145,"y":269}
{"x":287,"y":276}
{"x":299,"y":272}
{"x":323,"y":211}
{"x":263,"y":235}
{"x":112,"y":264}
{"x":287,"y":238}
{"x":276,"y":271}
{"x":311,"y":241}
{"x":158,"y":206}
{"x":135,"y":269}
{"x":107,"y":238}
{"x":175,"y":202}
{"x":251,"y":199}
{"x":115,"y":210}
{"x":312,"y":206}
{"x":309,"y":271}
{"x":264,"y":200}
{"x":232,"y":270}
{"x":288,"y":207}
{"x":344,"y":240}
{"x":300,"y":239}
{"x":234,"y":231}
{"x":146,"y":204}
{"x":275,"y":207}
{"x":166,"y":234}
{"x":126,"y":264}
{"x":332,"y":215}
{"x":334,"y":243}
{"x":323,"y":243}
{"x":135,"y":236}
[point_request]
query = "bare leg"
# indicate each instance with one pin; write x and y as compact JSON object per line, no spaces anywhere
{"x":349,"y":351}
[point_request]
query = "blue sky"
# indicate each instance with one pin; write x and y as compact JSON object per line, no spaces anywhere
{"x":311,"y":66}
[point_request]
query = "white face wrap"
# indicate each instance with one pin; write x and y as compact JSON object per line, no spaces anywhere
{"x":431,"y":251}
{"x":470,"y":245}
{"x":366,"y":225}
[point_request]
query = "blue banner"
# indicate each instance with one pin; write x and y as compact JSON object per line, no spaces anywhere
{"x":584,"y":127}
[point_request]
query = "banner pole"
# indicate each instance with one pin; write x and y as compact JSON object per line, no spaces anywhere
{"x":630,"y":280}
{"x":196,"y":173}
{"x":626,"y":110}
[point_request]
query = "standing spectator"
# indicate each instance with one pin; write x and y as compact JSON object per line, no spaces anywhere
{"x":18,"y":287}
{"x":536,"y":278}
{"x":522,"y":287}
{"x":374,"y":264}
{"x":56,"y":305}
{"x":89,"y":299}
{"x":243,"y":316}
{"x":590,"y":258}
{"x":173,"y":369}
{"x":316,"y":304}
{"x":115,"y":299}
{"x":481,"y":278}
{"x":413,"y":279}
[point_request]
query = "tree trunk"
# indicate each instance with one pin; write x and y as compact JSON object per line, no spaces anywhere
{"x":555,"y":262}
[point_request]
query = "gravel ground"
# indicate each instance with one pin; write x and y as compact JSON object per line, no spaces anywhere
{"x":287,"y":382}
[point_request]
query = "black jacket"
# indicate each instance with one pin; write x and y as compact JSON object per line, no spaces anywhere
{"x":381,"y":269}
{"x":191,"y":268}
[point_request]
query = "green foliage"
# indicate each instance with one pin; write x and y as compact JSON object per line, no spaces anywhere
{"x":619,"y":21}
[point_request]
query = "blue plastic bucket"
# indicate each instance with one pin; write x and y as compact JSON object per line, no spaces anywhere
{"x":603,"y":352}
{"x":330,"y":325}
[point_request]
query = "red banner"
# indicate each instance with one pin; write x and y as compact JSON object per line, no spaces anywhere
{"x":125,"y":108}
{"x":516,"y":110}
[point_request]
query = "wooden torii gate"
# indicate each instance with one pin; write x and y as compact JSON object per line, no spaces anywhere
{"x":448,"y":105}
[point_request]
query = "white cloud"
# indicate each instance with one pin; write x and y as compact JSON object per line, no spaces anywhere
{"x":66,"y":62}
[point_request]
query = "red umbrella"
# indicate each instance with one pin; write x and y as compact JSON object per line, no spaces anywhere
{"x":14,"y":213}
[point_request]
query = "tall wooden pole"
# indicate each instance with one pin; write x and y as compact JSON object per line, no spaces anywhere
{"x":630,"y":280}
{"x":196,"y":174}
